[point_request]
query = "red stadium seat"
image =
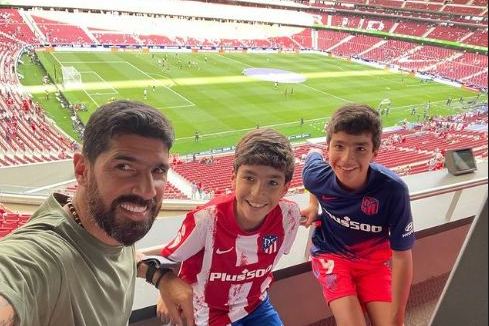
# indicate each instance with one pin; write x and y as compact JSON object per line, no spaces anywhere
{"x":13,"y":217}
{"x":23,"y":218}
{"x":10,"y":224}
{"x":4,"y":231}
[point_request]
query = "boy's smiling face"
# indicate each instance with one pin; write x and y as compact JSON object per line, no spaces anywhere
{"x":259,"y":189}
{"x":350,"y":157}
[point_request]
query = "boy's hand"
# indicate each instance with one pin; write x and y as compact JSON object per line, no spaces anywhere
{"x":176,"y":295}
{"x":309,"y":215}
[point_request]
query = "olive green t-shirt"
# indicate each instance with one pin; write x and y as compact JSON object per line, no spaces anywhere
{"x":53,"y":272}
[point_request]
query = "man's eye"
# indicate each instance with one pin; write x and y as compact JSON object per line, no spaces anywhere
{"x":123,"y":167}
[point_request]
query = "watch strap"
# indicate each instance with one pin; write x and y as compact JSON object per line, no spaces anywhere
{"x":153,"y":266}
{"x":163,"y":272}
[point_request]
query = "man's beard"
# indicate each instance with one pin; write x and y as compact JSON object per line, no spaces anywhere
{"x":122,"y":230}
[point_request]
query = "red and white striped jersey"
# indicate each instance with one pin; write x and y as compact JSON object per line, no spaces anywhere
{"x":230,"y":269}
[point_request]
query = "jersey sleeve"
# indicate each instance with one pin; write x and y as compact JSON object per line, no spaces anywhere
{"x":313,"y":173}
{"x":190,"y":238}
{"x":401,"y":225}
{"x":291,"y":220}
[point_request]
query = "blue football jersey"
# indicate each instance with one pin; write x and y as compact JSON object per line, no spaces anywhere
{"x":355,"y":224}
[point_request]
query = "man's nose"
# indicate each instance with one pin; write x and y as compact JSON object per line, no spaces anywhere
{"x":145,"y":188}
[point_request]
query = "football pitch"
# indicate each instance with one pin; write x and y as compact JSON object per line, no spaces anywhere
{"x":209,"y":94}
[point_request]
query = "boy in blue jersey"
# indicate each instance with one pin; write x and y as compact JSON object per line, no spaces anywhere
{"x":361,"y":252}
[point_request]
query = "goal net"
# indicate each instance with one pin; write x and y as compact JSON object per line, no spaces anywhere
{"x":71,"y":77}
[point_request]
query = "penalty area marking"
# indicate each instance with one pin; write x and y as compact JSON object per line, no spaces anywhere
{"x":168,"y":88}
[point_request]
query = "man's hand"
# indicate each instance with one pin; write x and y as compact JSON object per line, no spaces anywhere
{"x":7,"y":313}
{"x":162,"y":311}
{"x":176,"y":301}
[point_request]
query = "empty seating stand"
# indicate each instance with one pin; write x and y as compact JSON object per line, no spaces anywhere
{"x":415,"y":150}
{"x":9,"y":221}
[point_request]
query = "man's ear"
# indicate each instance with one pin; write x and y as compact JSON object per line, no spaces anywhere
{"x":80,"y":164}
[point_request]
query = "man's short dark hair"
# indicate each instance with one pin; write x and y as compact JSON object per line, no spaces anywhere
{"x":356,"y":119}
{"x":124,"y":118}
{"x":265,"y":147}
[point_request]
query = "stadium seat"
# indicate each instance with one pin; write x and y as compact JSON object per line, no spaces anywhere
{"x":5,"y":231}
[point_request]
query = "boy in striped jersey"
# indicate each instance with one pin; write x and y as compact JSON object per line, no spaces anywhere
{"x":230,"y":246}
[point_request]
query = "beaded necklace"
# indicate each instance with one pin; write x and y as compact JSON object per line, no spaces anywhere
{"x":73,"y":212}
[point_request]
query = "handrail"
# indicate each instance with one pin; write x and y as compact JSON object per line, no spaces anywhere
{"x":448,"y":188}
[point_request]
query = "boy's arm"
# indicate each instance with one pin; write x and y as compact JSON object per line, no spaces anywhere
{"x":190,"y":238}
{"x":312,"y":175}
{"x":310,"y":213}
{"x":151,"y":251}
{"x":402,"y":277}
{"x":7,"y":313}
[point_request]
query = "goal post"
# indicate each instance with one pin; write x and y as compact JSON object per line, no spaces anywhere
{"x":71,"y":77}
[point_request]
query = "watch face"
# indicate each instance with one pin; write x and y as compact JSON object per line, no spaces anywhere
{"x":153,"y":262}
{"x":153,"y":266}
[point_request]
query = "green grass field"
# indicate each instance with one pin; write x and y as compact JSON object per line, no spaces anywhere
{"x":214,"y":98}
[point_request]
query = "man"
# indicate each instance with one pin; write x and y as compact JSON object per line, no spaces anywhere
{"x":74,"y":262}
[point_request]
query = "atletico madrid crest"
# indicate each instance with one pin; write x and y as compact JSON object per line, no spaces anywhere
{"x":370,"y":205}
{"x":270,"y":244}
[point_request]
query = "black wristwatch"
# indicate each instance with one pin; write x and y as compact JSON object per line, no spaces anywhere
{"x":163,"y":272}
{"x":154,"y":265}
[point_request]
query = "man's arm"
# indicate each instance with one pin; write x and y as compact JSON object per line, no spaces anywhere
{"x":175,"y":293}
{"x":402,"y":277}
{"x":7,"y":313}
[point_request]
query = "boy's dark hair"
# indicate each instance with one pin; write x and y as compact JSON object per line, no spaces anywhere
{"x":355,"y":119}
{"x":124,"y":118}
{"x":265,"y":147}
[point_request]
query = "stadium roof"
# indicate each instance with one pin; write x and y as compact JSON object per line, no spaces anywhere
{"x":174,"y":8}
